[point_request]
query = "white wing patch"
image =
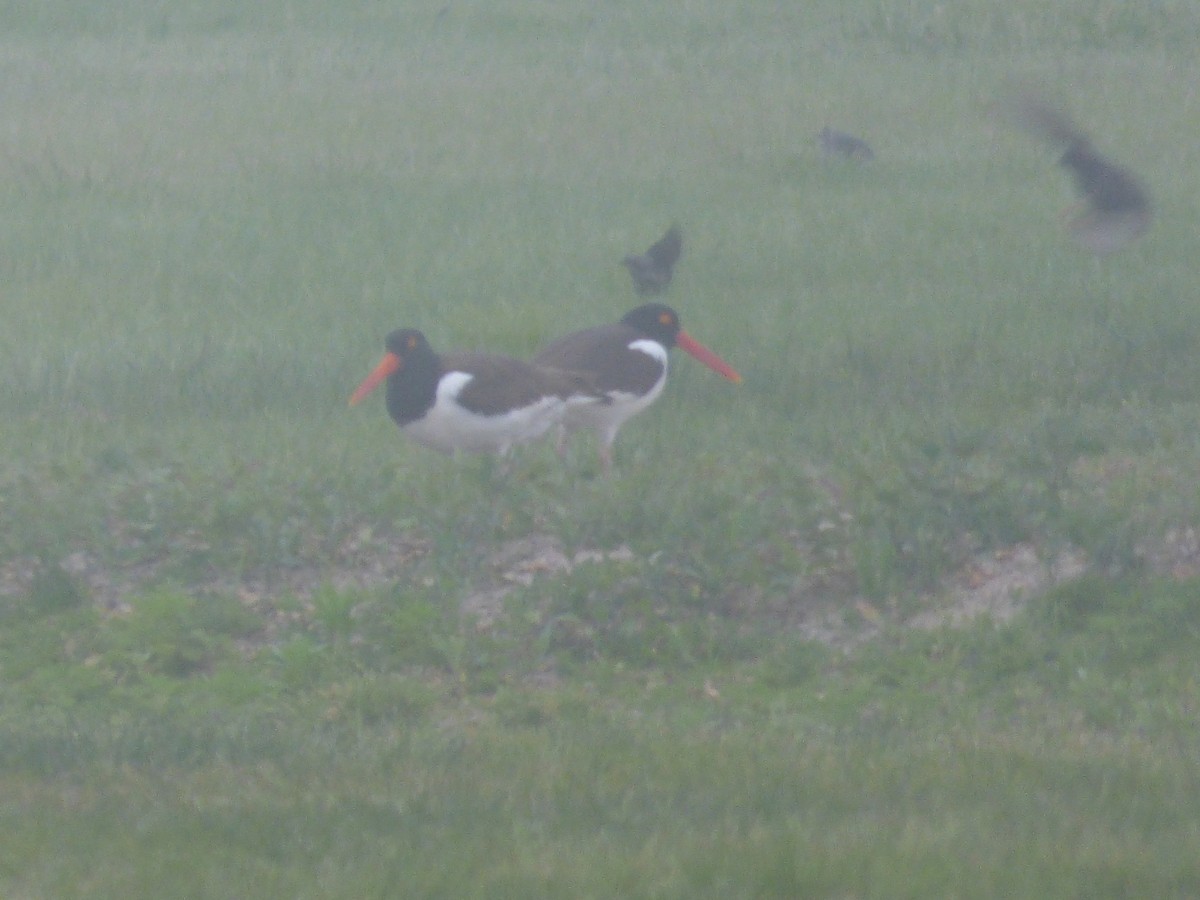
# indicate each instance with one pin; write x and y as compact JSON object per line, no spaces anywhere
{"x":449,"y":427}
{"x":653,"y":349}
{"x":608,"y":418}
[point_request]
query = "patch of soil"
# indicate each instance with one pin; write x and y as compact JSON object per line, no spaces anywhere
{"x":821,"y":604}
{"x":519,"y":562}
{"x":999,"y":585}
{"x":364,"y":560}
{"x":1176,"y":555}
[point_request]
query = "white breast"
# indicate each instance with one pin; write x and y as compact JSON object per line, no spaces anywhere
{"x":449,"y":427}
{"x":608,"y":418}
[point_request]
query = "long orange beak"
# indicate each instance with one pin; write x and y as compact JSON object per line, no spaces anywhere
{"x":389,"y":364}
{"x":689,"y":344}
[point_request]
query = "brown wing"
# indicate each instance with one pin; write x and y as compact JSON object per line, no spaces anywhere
{"x":501,"y":383}
{"x":603,"y":352}
{"x":1030,"y":112}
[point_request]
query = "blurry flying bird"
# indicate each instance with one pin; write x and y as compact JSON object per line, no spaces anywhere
{"x":838,"y":143}
{"x":1115,"y":208}
{"x":651,"y":271}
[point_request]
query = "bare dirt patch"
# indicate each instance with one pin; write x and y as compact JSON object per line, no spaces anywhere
{"x":364,"y":560}
{"x":1176,"y":555}
{"x":822,"y":604}
{"x":519,"y":562}
{"x":998,"y":585}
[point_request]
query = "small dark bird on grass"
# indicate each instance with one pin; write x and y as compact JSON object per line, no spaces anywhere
{"x":847,"y":146}
{"x":1116,"y":208}
{"x":651,"y":271}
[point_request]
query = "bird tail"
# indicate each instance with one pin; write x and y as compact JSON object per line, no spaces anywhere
{"x":581,"y":389}
{"x":1028,"y":110}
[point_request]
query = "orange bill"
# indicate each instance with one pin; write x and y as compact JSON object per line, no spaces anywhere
{"x":689,"y":344}
{"x":389,"y":364}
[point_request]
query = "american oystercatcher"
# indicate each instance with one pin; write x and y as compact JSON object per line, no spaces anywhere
{"x":628,"y":362}
{"x":1115,"y":208}
{"x":651,"y":271}
{"x":472,"y":402}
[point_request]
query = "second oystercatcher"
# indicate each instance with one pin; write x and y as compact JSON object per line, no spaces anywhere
{"x":472,"y":402}
{"x":628,"y":363}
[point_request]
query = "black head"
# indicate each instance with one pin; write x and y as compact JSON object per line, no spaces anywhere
{"x":655,"y":320}
{"x":410,"y":368}
{"x":408,"y":344}
{"x":412,"y":371}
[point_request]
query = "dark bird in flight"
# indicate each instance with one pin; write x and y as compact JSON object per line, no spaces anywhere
{"x":1115,"y":208}
{"x":651,"y":271}
{"x":838,"y":143}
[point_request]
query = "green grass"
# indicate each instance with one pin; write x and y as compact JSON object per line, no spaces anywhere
{"x":252,"y":643}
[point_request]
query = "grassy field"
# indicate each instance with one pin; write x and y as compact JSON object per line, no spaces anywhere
{"x":911,"y":612}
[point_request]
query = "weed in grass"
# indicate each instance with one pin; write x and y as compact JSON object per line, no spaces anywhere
{"x":301,"y":662}
{"x":170,"y":633}
{"x":334,"y":612}
{"x":386,"y":700}
{"x":53,"y":590}
{"x":793,"y":664}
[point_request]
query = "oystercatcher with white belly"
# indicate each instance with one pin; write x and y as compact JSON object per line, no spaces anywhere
{"x":472,"y":402}
{"x":627,"y":361}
